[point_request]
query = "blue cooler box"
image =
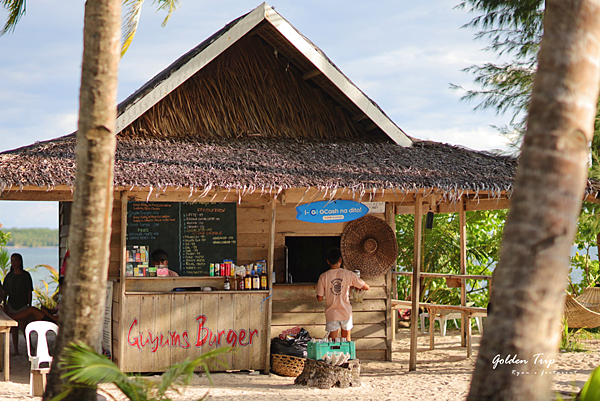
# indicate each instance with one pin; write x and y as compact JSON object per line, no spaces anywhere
{"x":317,"y":351}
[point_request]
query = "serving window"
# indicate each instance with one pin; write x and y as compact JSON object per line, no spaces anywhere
{"x":305,"y":257}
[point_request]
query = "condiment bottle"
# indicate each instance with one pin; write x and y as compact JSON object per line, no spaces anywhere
{"x":241,"y":286}
{"x":263,"y":280}
{"x":248,"y":282}
{"x":255,"y":280}
{"x":227,"y":284}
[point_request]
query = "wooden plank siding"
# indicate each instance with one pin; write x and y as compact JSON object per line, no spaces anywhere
{"x":253,"y":222}
{"x":114,"y":266}
{"x":162,"y":329}
{"x":64,"y":222}
{"x":296,"y":305}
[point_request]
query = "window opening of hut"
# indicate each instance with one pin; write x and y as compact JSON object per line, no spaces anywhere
{"x":305,"y":257}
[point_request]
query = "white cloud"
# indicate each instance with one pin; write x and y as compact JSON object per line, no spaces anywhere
{"x":482,"y":138}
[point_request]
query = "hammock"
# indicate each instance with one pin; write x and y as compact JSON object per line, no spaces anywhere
{"x":590,"y":298}
{"x":578,"y":316}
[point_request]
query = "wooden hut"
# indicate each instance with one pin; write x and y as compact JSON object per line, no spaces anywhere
{"x":236,"y":133}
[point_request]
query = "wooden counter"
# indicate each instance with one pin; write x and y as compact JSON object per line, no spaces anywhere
{"x":162,"y":328}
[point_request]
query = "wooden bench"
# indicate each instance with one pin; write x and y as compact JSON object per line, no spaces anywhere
{"x":468,"y":311}
{"x":6,"y":323}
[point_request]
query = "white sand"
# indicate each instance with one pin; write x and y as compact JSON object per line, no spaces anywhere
{"x":442,"y":374}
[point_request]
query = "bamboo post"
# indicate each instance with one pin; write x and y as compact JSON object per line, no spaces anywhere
{"x":121,"y":351}
{"x":270,"y":267}
{"x":416,"y":282}
{"x":390,"y":316}
{"x":463,"y":270}
{"x":432,"y":312}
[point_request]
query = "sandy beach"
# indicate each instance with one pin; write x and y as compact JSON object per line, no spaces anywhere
{"x":442,"y":374}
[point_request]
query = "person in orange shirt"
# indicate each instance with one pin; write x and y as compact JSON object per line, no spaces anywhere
{"x":335,"y":285}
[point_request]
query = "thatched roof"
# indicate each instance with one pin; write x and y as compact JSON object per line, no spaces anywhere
{"x":248,"y":90}
{"x":282,"y":44}
{"x":259,"y":164}
{"x":248,"y":109}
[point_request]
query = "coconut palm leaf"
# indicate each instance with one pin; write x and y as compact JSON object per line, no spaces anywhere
{"x":86,"y":367}
{"x":132,"y":18}
{"x":16,"y":9}
{"x":591,"y":389}
{"x":182,"y":373}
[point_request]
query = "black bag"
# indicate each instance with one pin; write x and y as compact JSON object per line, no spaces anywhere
{"x":292,"y":347}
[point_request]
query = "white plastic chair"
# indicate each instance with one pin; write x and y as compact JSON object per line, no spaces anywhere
{"x":42,"y":353}
{"x":444,"y":318}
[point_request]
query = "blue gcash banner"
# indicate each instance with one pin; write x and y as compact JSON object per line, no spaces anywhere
{"x":331,"y":212}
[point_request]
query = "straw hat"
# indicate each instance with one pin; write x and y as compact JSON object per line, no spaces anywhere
{"x":369,"y":245}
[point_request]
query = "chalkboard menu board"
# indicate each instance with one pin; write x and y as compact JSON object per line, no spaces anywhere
{"x":193,"y":234}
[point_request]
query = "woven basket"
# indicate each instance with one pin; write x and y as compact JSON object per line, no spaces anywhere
{"x":286,"y":365}
{"x":369,"y":245}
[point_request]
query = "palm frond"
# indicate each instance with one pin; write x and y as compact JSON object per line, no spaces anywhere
{"x":130,"y":22}
{"x":51,"y":269}
{"x":187,"y":368}
{"x":16,"y":9}
{"x":85,"y":366}
{"x":134,"y":12}
{"x":168,"y":5}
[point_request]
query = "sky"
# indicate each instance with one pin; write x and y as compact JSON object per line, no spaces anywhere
{"x":403,"y":54}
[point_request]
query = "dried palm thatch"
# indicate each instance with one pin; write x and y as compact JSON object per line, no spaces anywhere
{"x":249,"y":90}
{"x":360,"y":167}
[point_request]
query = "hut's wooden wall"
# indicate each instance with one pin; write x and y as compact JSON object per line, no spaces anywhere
{"x":296,"y":305}
{"x":64,"y":221}
{"x":116,"y":252}
{"x":116,"y":322}
{"x":166,"y":328}
{"x":253,"y":230}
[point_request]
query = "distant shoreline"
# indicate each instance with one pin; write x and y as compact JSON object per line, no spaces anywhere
{"x":25,"y":246}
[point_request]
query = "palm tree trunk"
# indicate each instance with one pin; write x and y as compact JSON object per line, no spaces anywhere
{"x":530,"y":279}
{"x":82,"y":310}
